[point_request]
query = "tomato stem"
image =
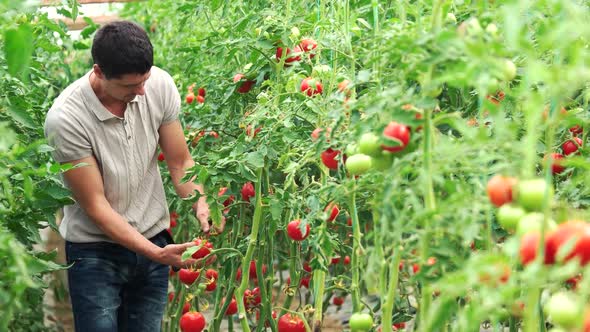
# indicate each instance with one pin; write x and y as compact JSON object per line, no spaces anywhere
{"x":389,"y":301}
{"x":319,"y":279}
{"x":179,"y":295}
{"x":249,"y":252}
{"x":356,"y":248}
{"x":293,"y":274}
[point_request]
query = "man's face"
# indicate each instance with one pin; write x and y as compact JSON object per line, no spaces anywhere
{"x":126,"y":87}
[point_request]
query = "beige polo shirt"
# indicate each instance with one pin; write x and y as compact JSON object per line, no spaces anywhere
{"x":78,"y":126}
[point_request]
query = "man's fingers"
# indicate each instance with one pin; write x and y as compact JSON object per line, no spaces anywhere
{"x":204,"y":225}
{"x":184,"y":246}
{"x":189,"y":263}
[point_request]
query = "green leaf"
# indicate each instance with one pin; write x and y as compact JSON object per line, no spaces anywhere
{"x":74,"y":5}
{"x":7,"y":137}
{"x":18,"y":49}
{"x":43,"y":148}
{"x":36,"y":266}
{"x":255,"y":159}
{"x":28,"y":186}
{"x":276,"y":208}
{"x":21,"y":116}
{"x":64,"y":12}
{"x":81,"y":45}
{"x":87,"y":31}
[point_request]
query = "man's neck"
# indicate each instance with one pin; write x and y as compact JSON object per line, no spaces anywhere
{"x":114,"y":106}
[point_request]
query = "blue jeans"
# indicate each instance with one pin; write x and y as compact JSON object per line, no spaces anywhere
{"x":114,"y":289}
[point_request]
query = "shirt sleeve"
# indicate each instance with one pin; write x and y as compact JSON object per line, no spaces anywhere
{"x":67,"y":137}
{"x":171,"y":99}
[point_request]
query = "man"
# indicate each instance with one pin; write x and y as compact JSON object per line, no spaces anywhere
{"x":110,"y":122}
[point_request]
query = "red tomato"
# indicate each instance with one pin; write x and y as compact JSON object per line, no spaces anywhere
{"x":291,"y":323}
{"x":229,"y":200}
{"x":232,"y":308}
{"x":573,"y":281}
{"x":204,"y":250}
{"x":315,"y":134}
{"x":170,"y":296}
{"x":161,"y":157}
{"x":576,"y":130}
{"x":173,"y":223}
{"x":202,"y":92}
{"x":346,"y":260}
{"x":244,"y":87}
{"x":294,"y":231}
{"x":329,"y":158}
{"x":311,"y":87}
{"x":334,"y":211}
{"x":556,"y":166}
{"x":190,"y":97}
{"x":415,"y":268}
{"x":289,"y":59}
{"x":186,"y":307}
{"x":211,"y":275}
{"x":306,"y":267}
{"x":308,"y":45}
{"x":565,"y":232}
{"x":200,"y":99}
{"x":192,"y":321}
{"x":248,"y":191}
{"x":335,"y":260}
{"x":274,"y":316}
{"x":252,"y":272}
{"x":188,"y":276}
{"x":252,"y":298}
{"x":338,"y":300}
{"x":343,"y":87}
{"x":398,"y":326}
{"x":571,"y":146}
{"x":249,"y":131}
{"x":211,"y":285}
{"x":305,"y":282}
{"x":528,"y":247}
{"x":500,"y":189}
{"x":399,"y":133}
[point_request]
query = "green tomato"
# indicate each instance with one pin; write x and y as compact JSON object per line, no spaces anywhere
{"x":533,"y":222}
{"x":451,"y":18}
{"x":351,"y":149}
{"x":369,"y":144}
{"x":358,"y":164}
{"x":530,"y":194}
{"x":564,"y":310}
{"x":509,"y":70}
{"x":360,"y":322}
{"x":509,"y":215}
{"x":383,"y":161}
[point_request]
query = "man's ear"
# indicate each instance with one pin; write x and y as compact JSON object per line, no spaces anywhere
{"x":98,"y":72}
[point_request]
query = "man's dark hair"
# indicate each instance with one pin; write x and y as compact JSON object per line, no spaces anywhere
{"x":121,"y":48}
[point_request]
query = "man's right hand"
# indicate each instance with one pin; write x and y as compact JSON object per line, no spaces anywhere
{"x":172,"y":255}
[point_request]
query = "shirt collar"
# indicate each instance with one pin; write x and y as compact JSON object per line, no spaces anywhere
{"x":94,"y":103}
